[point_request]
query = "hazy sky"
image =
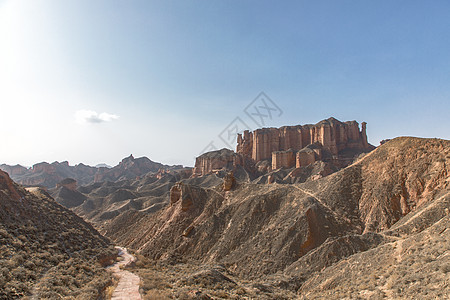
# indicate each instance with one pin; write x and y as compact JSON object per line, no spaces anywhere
{"x":94,"y":81}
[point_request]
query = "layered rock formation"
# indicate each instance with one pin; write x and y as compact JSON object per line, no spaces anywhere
{"x":283,"y":159}
{"x":183,"y":192}
{"x":67,"y":194}
{"x":267,"y":149}
{"x":216,"y":160}
{"x":332,"y":134}
{"x":101,"y":201}
{"x":228,"y":181}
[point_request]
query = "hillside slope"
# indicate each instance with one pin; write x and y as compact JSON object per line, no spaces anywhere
{"x":45,"y":249}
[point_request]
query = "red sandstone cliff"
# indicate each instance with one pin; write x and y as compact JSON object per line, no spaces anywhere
{"x":332,"y":134}
{"x":216,"y":160}
{"x":290,"y":146}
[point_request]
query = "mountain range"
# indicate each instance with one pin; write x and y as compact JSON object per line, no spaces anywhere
{"x":49,"y":174}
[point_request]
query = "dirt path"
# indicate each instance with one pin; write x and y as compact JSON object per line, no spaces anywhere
{"x":322,"y":203}
{"x":128,"y":287}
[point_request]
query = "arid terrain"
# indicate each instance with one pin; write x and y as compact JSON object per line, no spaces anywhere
{"x":46,"y":251}
{"x":377,"y":228}
{"x":324,"y":216}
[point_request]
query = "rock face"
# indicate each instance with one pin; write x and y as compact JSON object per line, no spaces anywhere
{"x":333,"y":135}
{"x":181,"y":191}
{"x":267,"y":149}
{"x":309,"y":155}
{"x":216,"y":160}
{"x":283,"y":159}
{"x":7,"y":185}
{"x":229,"y":181}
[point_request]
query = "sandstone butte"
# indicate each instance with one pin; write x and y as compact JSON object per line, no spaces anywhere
{"x":289,"y":146}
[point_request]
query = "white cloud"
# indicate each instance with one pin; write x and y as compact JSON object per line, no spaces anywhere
{"x":90,"y":116}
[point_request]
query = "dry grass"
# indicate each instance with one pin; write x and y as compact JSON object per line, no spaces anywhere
{"x":48,"y":251}
{"x":193,"y":281}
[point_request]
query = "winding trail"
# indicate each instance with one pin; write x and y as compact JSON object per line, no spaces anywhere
{"x":128,"y":286}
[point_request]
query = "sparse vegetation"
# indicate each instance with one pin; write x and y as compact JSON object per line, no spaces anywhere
{"x":47,"y":251}
{"x":195,"y":281}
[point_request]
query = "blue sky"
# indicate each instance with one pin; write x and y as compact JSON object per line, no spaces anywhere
{"x":93,"y":81}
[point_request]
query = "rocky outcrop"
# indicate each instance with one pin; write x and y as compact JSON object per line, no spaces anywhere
{"x":309,"y":155}
{"x":181,"y":192}
{"x":183,"y":173}
{"x":332,"y":134}
{"x":45,"y":167}
{"x":267,"y":149}
{"x":216,"y":160}
{"x":68,"y":183}
{"x":283,"y":159}
{"x":228,"y":181}
{"x":8,"y":187}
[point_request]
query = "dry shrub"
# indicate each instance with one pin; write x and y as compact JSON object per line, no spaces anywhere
{"x":155,"y":294}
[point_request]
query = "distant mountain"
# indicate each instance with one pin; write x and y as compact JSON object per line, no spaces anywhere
{"x":48,"y":175}
{"x":103,"y":166}
{"x":130,"y":168}
{"x":46,"y":251}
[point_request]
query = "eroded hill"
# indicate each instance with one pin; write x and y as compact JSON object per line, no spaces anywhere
{"x":289,"y":237}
